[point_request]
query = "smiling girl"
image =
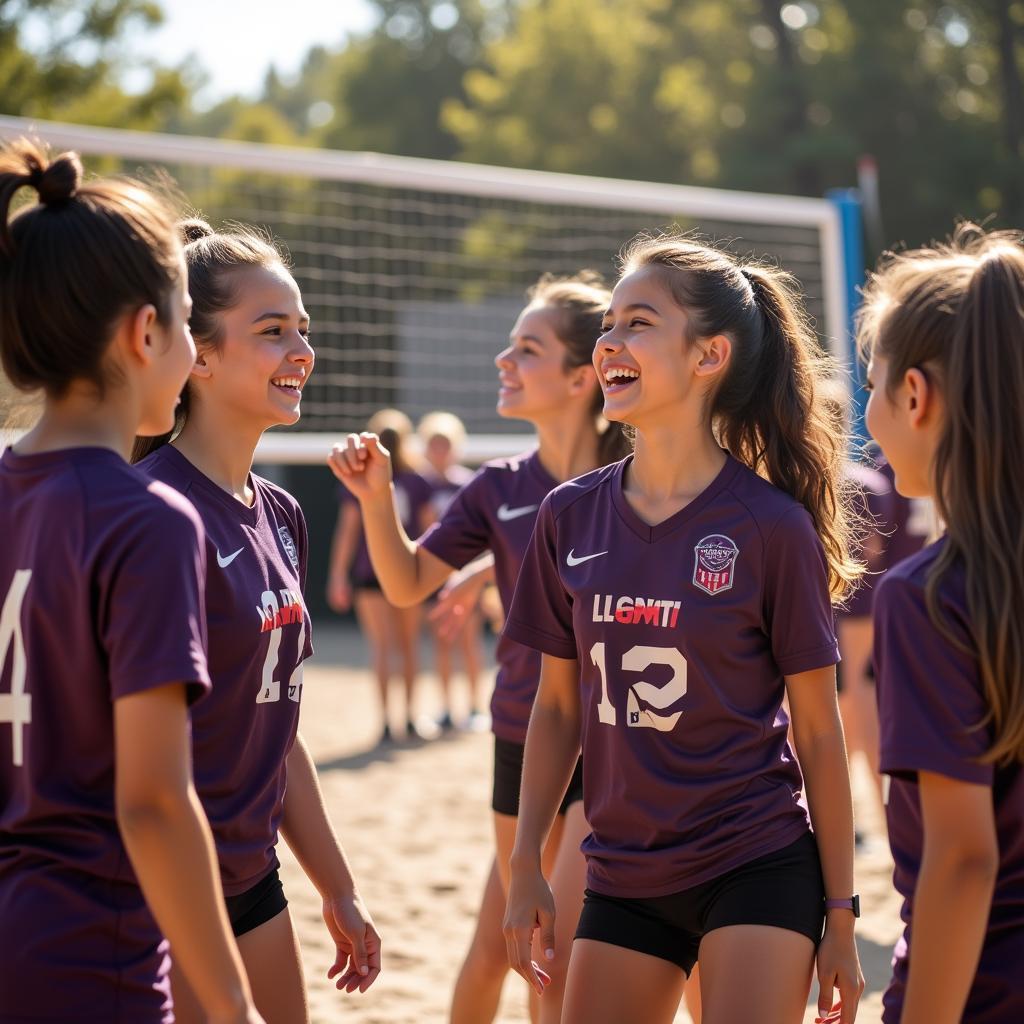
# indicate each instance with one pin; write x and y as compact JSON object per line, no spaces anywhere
{"x":676,"y":597}
{"x":253,"y":771}
{"x":943,"y":330}
{"x":546,"y":378}
{"x":103,"y":845}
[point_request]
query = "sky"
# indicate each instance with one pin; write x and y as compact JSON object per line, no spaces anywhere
{"x":235,"y":41}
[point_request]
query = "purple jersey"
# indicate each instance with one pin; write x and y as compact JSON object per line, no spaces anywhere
{"x":101,"y":580}
{"x":683,"y":632}
{"x":495,"y":512}
{"x":259,"y":635}
{"x":412,"y":498}
{"x":912,"y":522}
{"x":930,"y":696}
{"x":873,"y":499}
{"x":444,"y":488}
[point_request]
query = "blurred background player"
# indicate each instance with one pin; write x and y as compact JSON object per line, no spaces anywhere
{"x":546,"y":377}
{"x":442,"y":435}
{"x":873,"y":495}
{"x":352,"y":581}
{"x":102,"y":624}
{"x":253,"y":771}
{"x":943,"y":329}
{"x":676,"y":596}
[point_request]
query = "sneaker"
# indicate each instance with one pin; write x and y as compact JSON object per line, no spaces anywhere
{"x":445,"y":723}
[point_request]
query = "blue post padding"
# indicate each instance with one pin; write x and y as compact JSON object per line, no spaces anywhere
{"x":848,"y":202}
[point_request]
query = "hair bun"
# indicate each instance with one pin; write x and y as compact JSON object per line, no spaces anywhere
{"x":56,"y":181}
{"x":193,"y":229}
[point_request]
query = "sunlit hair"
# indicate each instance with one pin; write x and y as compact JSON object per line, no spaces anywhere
{"x":73,"y":264}
{"x":442,"y":424}
{"x":956,"y":312}
{"x":768,"y":410}
{"x":395,"y":431}
{"x":579,"y":303}
{"x":214,"y":260}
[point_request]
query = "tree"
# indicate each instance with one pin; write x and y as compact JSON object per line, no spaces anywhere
{"x":73,"y":68}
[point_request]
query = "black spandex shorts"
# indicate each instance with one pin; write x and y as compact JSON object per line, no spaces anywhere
{"x":508,"y":774}
{"x":783,"y":889}
{"x":366,"y":583}
{"x":256,"y":906}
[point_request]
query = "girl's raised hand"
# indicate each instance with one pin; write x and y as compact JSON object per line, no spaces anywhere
{"x":363,"y":465}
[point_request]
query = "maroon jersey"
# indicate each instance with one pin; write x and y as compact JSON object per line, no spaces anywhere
{"x":259,"y":635}
{"x":874,"y":500}
{"x":412,"y":497}
{"x":930,"y":696}
{"x":443,"y":488}
{"x":495,"y":512}
{"x":683,"y":632}
{"x":911,"y":522}
{"x":101,"y":597}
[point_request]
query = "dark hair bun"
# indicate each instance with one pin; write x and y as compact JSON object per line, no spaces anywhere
{"x":56,"y":181}
{"x":193,"y":229}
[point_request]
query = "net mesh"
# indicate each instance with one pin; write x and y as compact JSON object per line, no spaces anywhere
{"x":412,"y":292}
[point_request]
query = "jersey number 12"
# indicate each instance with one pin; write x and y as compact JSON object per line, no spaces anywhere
{"x":639,"y":659}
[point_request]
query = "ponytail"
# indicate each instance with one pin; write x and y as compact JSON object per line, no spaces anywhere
{"x":958,"y":310}
{"x":72,"y":265}
{"x":769,"y":411}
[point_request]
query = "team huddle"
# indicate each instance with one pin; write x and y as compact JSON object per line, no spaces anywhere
{"x":675,"y":556}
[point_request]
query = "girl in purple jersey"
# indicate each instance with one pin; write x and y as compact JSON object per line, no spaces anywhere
{"x":98,"y":815}
{"x":676,"y":598}
{"x":442,"y":435}
{"x":253,"y":772}
{"x":943,"y":330}
{"x":351,"y":579}
{"x":547,"y":379}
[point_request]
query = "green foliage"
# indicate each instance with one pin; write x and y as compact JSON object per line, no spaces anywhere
{"x":767,"y":95}
{"x":73,"y":69}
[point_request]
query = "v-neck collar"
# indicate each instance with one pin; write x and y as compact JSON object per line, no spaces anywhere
{"x":652,"y":534}
{"x":536,"y":469}
{"x":248,"y":515}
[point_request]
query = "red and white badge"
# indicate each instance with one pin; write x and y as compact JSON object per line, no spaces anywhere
{"x":715,"y":563}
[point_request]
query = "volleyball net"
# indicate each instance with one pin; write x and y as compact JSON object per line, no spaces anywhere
{"x":413,"y":271}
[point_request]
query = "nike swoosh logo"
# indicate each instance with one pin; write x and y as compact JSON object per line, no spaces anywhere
{"x":505,"y":513}
{"x":571,"y":559}
{"x":225,"y":562}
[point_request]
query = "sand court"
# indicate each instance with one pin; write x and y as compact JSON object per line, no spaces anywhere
{"x":415,"y":821}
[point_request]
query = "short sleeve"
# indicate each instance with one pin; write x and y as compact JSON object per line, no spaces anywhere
{"x":541,"y":612}
{"x":152,"y":614}
{"x":929,"y":691}
{"x":463,"y":532}
{"x":797,"y":606}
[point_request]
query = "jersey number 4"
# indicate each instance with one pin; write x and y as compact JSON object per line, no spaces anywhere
{"x":270,"y":687}
{"x":16,"y":706}
{"x":639,"y":659}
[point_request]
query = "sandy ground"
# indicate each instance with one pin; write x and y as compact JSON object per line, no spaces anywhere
{"x":415,"y":821}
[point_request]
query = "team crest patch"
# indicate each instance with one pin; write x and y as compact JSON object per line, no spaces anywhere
{"x":714,"y":563}
{"x":289,"y":545}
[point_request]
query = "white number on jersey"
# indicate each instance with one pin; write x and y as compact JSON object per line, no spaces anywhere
{"x":639,"y":659}
{"x":16,"y":706}
{"x":270,"y":687}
